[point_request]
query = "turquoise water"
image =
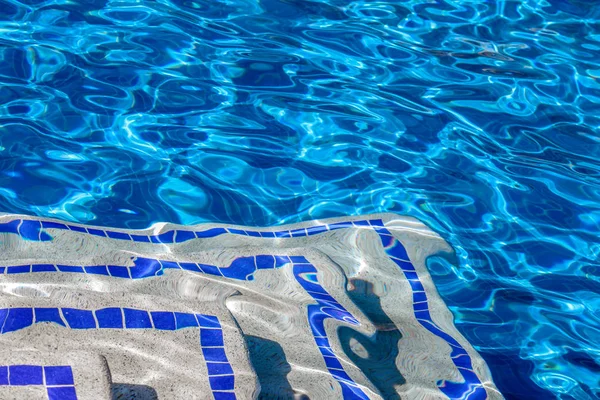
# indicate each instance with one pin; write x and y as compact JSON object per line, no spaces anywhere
{"x":479,"y":118}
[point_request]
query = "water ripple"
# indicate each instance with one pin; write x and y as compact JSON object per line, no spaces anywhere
{"x":479,"y":118}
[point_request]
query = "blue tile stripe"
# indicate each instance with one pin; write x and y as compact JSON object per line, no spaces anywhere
{"x":471,"y":388}
{"x":38,"y":231}
{"x":58,"y":379}
{"x":326,"y":307}
{"x":220,"y":373}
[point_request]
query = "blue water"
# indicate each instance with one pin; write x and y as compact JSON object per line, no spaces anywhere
{"x":479,"y":118}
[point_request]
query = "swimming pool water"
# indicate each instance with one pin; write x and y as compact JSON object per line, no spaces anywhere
{"x":479,"y":118}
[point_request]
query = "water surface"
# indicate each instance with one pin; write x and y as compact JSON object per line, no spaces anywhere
{"x":479,"y":118}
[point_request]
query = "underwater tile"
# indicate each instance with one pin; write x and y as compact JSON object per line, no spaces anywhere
{"x":185,"y":320}
{"x":111,"y":317}
{"x":224,"y":382}
{"x":208,"y":321}
{"x":140,"y":238}
{"x":190,"y":267}
{"x":97,"y":270}
{"x":163,"y":320}
{"x":210,"y":233}
{"x":265,"y":262}
{"x":3,"y":375}
{"x":136,"y":319}
{"x":219,"y":368}
{"x":79,"y":229}
{"x":58,"y":375}
{"x":118,"y":271}
{"x":211,"y":338}
{"x":79,"y":319}
{"x":70,"y":268}
{"x":48,"y":315}
{"x":43,"y":268}
{"x":62,"y":393}
{"x":184,"y":236}
{"x":214,"y":354}
{"x":224,"y":396}
{"x":22,"y":375}
{"x":96,"y":232}
{"x":118,"y":235}
{"x":30,"y":229}
{"x":17,"y":318}
{"x":20,"y":269}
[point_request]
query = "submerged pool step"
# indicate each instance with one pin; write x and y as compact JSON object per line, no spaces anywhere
{"x":177,"y":311}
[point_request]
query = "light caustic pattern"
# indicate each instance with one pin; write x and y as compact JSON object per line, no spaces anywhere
{"x":242,"y":268}
{"x":478,"y":118}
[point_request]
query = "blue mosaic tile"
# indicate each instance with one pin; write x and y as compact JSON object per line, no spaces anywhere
{"x":326,"y":351}
{"x":340,"y":375}
{"x":463,"y":361}
{"x":416,"y":286}
{"x":219,"y":368}
{"x":136,"y":319}
{"x":214,"y":354}
{"x":97,"y":270}
{"x":62,"y":393}
{"x":225,"y":382}
{"x":170,"y":265}
{"x":265,"y":262}
{"x":360,"y":223}
{"x":423,"y":315}
{"x":10,"y":227}
{"x":283,"y":234}
{"x":75,"y":228}
{"x":267,"y":234}
{"x":167,"y":237}
{"x":48,"y":315}
{"x":411,"y":275}
{"x":398,"y":251}
{"x":17,"y":318}
{"x":185,"y":320}
{"x":53,"y":225}
{"x":211,"y":338}
{"x":2,"y":270}
{"x":21,"y":269}
{"x":211,"y":233}
{"x":110,"y":318}
{"x":144,"y":267}
{"x":96,"y":232}
{"x":3,"y":375}
{"x":163,"y":320}
{"x":322,"y":342}
{"x":30,"y":230}
{"x":190,"y":267}
{"x":376,"y":223}
{"x":340,"y":225}
{"x":69,"y":268}
{"x":298,"y":232}
{"x":206,"y":321}
{"x":43,"y":268}
{"x":234,"y":231}
{"x":79,"y":319}
{"x":118,"y":235}
{"x":404,"y":265}
{"x":210,"y":269}
{"x":253,"y":233}
{"x":421,"y":306}
{"x":118,"y":271}
{"x":299,"y":260}
{"x":21,"y":375}
{"x":332,"y":362}
{"x":184,"y":236}
{"x":140,"y":238}
{"x":240,"y":268}
{"x":315,"y":230}
{"x":224,"y":396}
{"x":280,"y":261}
{"x":58,"y":375}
